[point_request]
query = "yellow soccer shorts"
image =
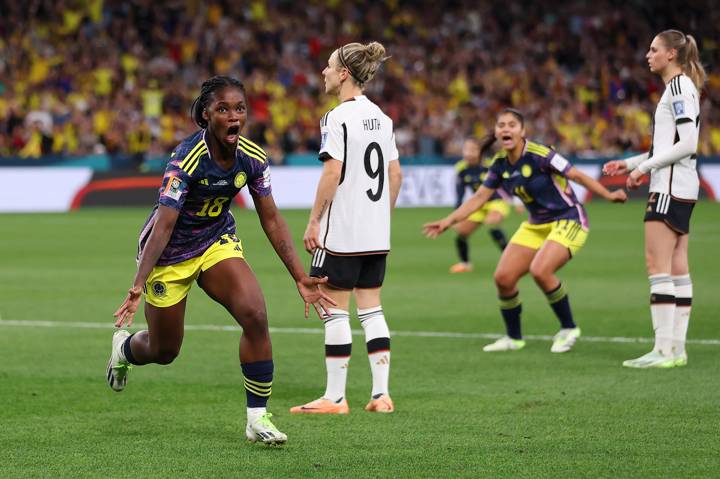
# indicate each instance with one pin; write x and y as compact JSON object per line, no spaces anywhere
{"x":168,"y":285}
{"x":501,"y":206}
{"x":568,"y":233}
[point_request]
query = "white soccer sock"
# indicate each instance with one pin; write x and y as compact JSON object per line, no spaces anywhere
{"x":683,"y":305}
{"x":338,"y":346}
{"x":254,"y":413}
{"x":377,"y":337}
{"x":662,"y":310}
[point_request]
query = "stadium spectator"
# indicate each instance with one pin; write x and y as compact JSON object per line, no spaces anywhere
{"x":458,"y":64}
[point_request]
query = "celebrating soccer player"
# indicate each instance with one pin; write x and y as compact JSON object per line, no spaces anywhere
{"x":190,"y":236}
{"x":471,"y":172}
{"x":555,"y":232}
{"x":674,"y":186}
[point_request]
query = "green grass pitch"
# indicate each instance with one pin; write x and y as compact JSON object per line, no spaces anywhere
{"x":460,"y":412}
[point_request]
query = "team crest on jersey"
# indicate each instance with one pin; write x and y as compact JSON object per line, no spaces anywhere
{"x":240,"y":180}
{"x":506,"y":174}
{"x":679,"y":107}
{"x":174,"y":188}
{"x":526,"y":171}
{"x":159,"y":289}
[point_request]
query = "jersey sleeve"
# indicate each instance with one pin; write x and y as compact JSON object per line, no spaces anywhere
{"x":332,"y":138}
{"x":459,"y":190}
{"x":259,"y":180}
{"x":176,"y":184}
{"x":493,"y":180}
{"x":557,"y":162}
{"x":682,"y":100}
{"x":394,"y":153}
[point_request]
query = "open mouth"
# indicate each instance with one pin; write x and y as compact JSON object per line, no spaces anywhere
{"x":232,"y":133}
{"x":506,"y":140}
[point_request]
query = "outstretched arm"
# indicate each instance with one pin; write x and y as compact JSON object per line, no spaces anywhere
{"x":617,"y":196}
{"x":686,"y":146}
{"x":475,"y":202}
{"x":622,"y":167}
{"x":165,"y":220}
{"x":277,"y":231}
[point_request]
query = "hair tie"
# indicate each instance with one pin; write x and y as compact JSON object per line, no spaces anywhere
{"x":344,"y":64}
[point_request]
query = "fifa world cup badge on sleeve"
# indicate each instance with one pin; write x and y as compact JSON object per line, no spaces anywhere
{"x":174,"y":188}
{"x":323,"y":139}
{"x":679,"y":107}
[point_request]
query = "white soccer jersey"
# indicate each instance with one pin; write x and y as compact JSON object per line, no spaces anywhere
{"x":680,"y":103}
{"x":360,"y":135}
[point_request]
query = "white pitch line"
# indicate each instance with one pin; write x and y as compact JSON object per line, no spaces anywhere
{"x":356,"y":332}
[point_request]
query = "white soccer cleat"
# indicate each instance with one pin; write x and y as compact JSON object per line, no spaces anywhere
{"x":506,"y":343}
{"x":564,"y":340}
{"x":681,"y":360}
{"x":118,"y":367}
{"x":262,"y":430}
{"x":653,"y":359}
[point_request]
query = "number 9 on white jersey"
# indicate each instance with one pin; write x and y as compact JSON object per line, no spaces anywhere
{"x":360,"y":135}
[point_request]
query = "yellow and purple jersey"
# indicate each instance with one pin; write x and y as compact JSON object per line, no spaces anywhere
{"x":471,"y":177}
{"x":539,"y":179}
{"x":196,"y":186}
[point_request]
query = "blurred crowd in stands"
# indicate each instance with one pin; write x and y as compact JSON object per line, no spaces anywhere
{"x":118,"y":76}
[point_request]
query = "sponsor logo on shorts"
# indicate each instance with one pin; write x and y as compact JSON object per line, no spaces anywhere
{"x":240,"y":180}
{"x":159,"y":289}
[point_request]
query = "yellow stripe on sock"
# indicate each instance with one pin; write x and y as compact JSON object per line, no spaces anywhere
{"x":258,"y":383}
{"x":556,"y":296}
{"x":510,"y":303}
{"x":262,"y":393}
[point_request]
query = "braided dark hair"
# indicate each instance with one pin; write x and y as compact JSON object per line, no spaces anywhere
{"x":208,"y":88}
{"x":489,"y":139}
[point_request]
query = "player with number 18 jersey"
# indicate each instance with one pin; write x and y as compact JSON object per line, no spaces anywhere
{"x":202,"y":191}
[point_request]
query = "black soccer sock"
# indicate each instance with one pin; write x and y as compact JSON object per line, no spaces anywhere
{"x":461,"y":243}
{"x":560,"y":303}
{"x":499,"y":238}
{"x":258,"y":382}
{"x":510,"y":308}
{"x":127,"y":351}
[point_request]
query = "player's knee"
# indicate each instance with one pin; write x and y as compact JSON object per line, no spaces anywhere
{"x":254,"y":321}
{"x":653,"y":265}
{"x":539,"y":272}
{"x":504,"y":279}
{"x":167,"y":354}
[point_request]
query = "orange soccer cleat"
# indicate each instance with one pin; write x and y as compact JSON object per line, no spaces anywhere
{"x":461,"y":268}
{"x":322,"y":406}
{"x":381,"y":404}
